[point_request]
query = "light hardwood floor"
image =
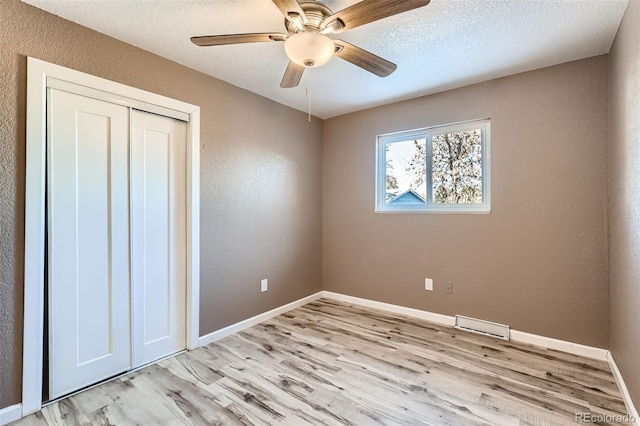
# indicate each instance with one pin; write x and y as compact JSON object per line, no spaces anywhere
{"x":333,"y":363}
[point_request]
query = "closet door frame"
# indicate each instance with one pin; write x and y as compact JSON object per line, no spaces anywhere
{"x":42,"y":75}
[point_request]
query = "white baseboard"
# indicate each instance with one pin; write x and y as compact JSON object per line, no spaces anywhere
{"x":631,"y":409}
{"x":10,"y":414}
{"x":516,"y":336}
{"x":250,"y":322}
{"x":396,"y":309}
{"x":560,"y":345}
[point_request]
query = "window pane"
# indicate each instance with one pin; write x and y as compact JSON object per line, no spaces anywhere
{"x":406,"y":164}
{"x":457,"y":167}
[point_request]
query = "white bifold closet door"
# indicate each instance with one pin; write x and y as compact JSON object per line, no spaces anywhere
{"x":158,"y":235}
{"x":116,"y":227}
{"x":88,"y":239}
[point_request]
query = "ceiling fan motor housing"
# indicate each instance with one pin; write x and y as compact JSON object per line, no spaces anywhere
{"x":315,"y":14}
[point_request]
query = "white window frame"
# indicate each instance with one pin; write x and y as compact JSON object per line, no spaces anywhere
{"x":428,"y":133}
{"x":42,"y":75}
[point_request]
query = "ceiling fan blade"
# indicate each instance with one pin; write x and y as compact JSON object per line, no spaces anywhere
{"x":219,"y":40}
{"x":365,"y":60}
{"x":369,"y":11}
{"x":291,"y":9}
{"x":292,"y":75}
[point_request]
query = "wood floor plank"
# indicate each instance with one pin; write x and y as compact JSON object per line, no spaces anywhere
{"x":333,"y":363}
{"x":35,"y":419}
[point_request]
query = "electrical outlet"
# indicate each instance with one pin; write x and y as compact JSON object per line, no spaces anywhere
{"x":428,"y":284}
{"x":264,"y":285}
{"x":448,"y":287}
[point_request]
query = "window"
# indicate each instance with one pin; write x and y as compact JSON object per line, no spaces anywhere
{"x":437,"y":169}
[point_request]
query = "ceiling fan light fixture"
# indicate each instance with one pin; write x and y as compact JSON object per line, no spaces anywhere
{"x":309,"y":49}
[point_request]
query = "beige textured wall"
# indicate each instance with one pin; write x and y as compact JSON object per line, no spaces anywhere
{"x":624,"y":198}
{"x":260,"y":179}
{"x":539,"y":261}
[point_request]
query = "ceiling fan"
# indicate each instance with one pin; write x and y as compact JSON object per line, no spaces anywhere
{"x":309,"y":24}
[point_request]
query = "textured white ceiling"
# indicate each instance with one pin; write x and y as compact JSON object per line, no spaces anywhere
{"x":447,"y":44}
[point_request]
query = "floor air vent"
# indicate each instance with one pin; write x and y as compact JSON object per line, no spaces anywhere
{"x":487,"y":328}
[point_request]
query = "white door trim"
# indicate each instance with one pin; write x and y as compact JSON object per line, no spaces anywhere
{"x":39,"y":74}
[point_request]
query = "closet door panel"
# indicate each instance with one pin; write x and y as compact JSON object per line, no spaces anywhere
{"x":88,"y":241}
{"x":158,"y":214}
